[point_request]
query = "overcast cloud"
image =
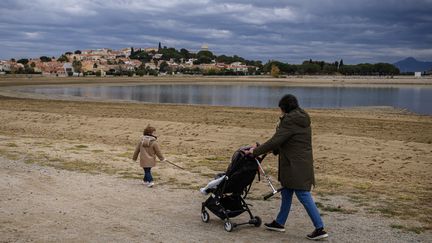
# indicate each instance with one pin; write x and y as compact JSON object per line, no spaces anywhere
{"x":289,"y":31}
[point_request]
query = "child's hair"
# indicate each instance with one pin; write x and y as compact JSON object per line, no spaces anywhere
{"x":149,"y":130}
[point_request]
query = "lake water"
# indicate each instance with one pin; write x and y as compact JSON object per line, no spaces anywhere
{"x":417,"y":100}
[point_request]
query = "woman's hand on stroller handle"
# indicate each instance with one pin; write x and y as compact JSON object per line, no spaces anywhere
{"x":251,"y":149}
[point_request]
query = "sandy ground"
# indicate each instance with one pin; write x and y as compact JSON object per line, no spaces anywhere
{"x":43,"y":204}
{"x":66,"y":172}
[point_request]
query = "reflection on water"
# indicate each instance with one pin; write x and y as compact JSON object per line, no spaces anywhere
{"x":414,"y":99}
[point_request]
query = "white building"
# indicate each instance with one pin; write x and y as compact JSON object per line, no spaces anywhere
{"x":238,"y":67}
{"x":67,"y":66}
{"x":4,"y":66}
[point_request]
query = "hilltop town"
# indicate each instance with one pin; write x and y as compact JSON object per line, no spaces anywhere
{"x":170,"y":61}
{"x":132,"y":61}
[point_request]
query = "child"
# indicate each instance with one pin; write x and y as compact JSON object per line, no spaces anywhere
{"x":148,"y":149}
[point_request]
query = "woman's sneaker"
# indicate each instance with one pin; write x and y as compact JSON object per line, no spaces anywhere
{"x":275,"y":226}
{"x":317,"y":234}
{"x":150,"y":184}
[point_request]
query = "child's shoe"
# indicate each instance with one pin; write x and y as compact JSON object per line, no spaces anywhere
{"x":204,"y":191}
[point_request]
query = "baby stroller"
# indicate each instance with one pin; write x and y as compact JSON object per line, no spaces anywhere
{"x":227,"y":200}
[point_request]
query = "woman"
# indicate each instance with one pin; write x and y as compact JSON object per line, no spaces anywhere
{"x":148,"y":149}
{"x":292,"y":142}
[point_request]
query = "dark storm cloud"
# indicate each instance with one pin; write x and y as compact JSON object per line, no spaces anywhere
{"x":292,"y":31}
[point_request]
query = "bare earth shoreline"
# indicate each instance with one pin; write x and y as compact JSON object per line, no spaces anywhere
{"x":66,"y":173}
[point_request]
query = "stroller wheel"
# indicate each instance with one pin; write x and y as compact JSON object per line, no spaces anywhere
{"x":228,"y":226}
{"x":205,"y":217}
{"x":257,"y":221}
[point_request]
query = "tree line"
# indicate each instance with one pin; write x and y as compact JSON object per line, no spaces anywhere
{"x":201,"y":57}
{"x":310,"y":67}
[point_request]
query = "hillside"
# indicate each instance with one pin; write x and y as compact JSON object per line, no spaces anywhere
{"x":410,"y":64}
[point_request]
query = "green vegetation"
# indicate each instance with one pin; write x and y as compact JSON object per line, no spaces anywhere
{"x":80,"y":146}
{"x":62,"y":58}
{"x":330,"y":208}
{"x":323,"y":68}
{"x":12,"y":145}
{"x":416,"y":230}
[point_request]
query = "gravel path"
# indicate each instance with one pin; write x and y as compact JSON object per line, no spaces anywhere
{"x":43,"y":204}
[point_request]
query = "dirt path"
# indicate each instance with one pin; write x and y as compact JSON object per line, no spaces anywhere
{"x":43,"y":204}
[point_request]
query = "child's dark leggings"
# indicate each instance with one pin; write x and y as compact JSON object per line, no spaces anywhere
{"x":147,"y":174}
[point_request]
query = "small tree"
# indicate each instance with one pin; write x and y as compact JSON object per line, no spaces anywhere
{"x":77,"y":52}
{"x":63,"y":58}
{"x":163,"y":67}
{"x":23,"y":61}
{"x":77,"y":65}
{"x":45,"y":59}
{"x":275,"y":71}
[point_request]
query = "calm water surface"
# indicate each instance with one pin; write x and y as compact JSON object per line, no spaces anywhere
{"x":417,"y":100}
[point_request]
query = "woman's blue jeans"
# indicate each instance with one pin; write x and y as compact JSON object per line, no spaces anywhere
{"x":305,"y":198}
{"x":147,"y":174}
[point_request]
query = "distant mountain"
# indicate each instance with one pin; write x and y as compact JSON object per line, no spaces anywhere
{"x":410,"y":64}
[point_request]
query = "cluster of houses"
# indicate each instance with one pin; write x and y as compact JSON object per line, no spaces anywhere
{"x":106,"y":61}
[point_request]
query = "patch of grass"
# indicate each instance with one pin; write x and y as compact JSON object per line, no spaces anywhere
{"x":397,"y":226}
{"x":363,"y":186}
{"x":97,"y":150}
{"x":77,"y":147}
{"x":78,"y":165}
{"x":417,"y":230}
{"x":339,"y":209}
{"x":125,"y":155}
{"x":207,"y":174}
{"x":11,"y":155}
{"x":11,"y":145}
{"x":185,"y":184}
{"x":388,"y":211}
{"x":319,"y":205}
{"x":130,"y":175}
{"x":215,"y":158}
{"x":213,"y":165}
{"x":359,"y":201}
{"x":81,"y":146}
{"x":29,"y":161}
{"x":170,"y":181}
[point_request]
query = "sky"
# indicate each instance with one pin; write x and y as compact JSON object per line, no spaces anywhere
{"x":292,"y":31}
